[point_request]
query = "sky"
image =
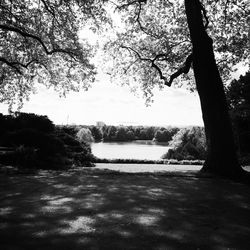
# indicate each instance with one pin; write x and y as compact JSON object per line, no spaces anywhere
{"x":115,"y":105}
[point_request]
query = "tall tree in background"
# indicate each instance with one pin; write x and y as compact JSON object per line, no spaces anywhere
{"x":160,"y":35}
{"x":39,"y":42}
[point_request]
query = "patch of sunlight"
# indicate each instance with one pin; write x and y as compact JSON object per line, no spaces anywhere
{"x":125,"y":233}
{"x":41,"y":234}
{"x":138,"y":209}
{"x":5,"y":210}
{"x":76,"y":189}
{"x":56,"y":209}
{"x":113,"y":189}
{"x":157,"y":211}
{"x":116,"y":215}
{"x":147,"y":219}
{"x":176,"y":235}
{"x":83,"y":224}
{"x":90,"y":186}
{"x":155,"y":192}
{"x":92,"y":201}
{"x":84,"y":240}
{"x":59,"y":201}
{"x":10,"y":195}
{"x":49,"y":197}
{"x":59,"y":186}
{"x":28,"y":216}
{"x":102,"y":216}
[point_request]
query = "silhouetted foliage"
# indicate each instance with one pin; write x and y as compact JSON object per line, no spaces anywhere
{"x":96,"y":133}
{"x":36,"y":143}
{"x":40,"y":43}
{"x":238,"y":95}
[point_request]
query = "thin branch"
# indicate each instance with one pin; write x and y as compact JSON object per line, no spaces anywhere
{"x":204,"y":12}
{"x":172,"y":4}
{"x":48,"y":8}
{"x":130,"y":3}
{"x":137,"y":53}
{"x":10,"y":64}
{"x":129,"y":66}
{"x":142,"y":28}
{"x":25,"y":34}
{"x":152,"y":61}
{"x":182,"y":70}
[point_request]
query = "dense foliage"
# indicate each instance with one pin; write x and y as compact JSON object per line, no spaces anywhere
{"x":188,"y":144}
{"x":84,"y":135}
{"x":154,"y":41}
{"x":39,"y":42}
{"x":238,"y":94}
{"x":32,"y":141}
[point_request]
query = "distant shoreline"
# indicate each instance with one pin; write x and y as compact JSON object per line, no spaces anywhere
{"x":138,"y":161}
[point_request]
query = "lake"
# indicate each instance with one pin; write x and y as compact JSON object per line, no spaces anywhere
{"x":129,"y":150}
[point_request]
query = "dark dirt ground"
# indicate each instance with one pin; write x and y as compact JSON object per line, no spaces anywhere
{"x":98,"y":209}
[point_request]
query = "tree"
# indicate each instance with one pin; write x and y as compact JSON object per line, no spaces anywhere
{"x":121,"y":134}
{"x":39,"y":42}
{"x":97,"y":133}
{"x":163,"y":135}
{"x":84,"y":135}
{"x":111,"y":133}
{"x":162,"y":35}
{"x":238,"y":95}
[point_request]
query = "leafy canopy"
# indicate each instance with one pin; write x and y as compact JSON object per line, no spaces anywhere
{"x":39,"y":42}
{"x":153,"y":43}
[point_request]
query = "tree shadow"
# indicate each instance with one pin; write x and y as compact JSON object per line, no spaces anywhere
{"x":104,"y":210}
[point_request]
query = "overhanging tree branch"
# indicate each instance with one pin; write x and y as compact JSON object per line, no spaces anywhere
{"x":182,"y":70}
{"x":38,"y":39}
{"x":11,"y":64}
{"x":48,"y":8}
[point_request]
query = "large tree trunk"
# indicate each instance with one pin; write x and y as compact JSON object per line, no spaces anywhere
{"x":221,"y":151}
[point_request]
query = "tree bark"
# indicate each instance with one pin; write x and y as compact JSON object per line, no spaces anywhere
{"x":221,"y":151}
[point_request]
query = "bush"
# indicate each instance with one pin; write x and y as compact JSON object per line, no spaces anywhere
{"x":188,"y":144}
{"x":46,"y":144}
{"x":84,"y":136}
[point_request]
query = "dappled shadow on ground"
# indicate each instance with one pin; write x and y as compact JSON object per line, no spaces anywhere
{"x":92,"y":210}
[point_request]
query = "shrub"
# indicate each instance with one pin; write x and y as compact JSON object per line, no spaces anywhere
{"x":188,"y":144}
{"x":84,"y":136}
{"x":47,"y":144}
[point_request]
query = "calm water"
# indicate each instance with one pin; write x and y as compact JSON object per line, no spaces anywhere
{"x":129,"y":150}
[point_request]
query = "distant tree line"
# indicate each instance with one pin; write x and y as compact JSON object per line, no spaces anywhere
{"x":131,"y":133}
{"x":110,"y":133}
